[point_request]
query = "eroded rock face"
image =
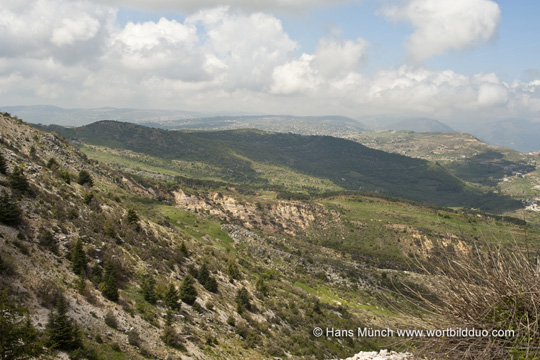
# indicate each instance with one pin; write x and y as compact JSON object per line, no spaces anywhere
{"x":287,"y":216}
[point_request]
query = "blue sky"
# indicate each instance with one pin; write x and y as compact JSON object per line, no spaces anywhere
{"x":450,"y":60}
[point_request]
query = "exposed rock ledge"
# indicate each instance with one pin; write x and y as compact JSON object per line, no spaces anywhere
{"x":382,"y":355}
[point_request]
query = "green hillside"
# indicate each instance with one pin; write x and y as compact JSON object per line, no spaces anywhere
{"x":235,"y":155}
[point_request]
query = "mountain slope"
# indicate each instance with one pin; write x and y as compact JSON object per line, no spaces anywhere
{"x":278,"y":268}
{"x":347,"y":164}
{"x":147,"y":253}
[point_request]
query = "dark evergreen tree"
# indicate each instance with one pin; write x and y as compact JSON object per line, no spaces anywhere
{"x":242,"y":300}
{"x":78,"y":258}
{"x":206,"y":279}
{"x":109,"y":286}
{"x":3,"y":164}
{"x":10,"y":213}
{"x":203,"y":274}
{"x":85,"y":178}
{"x":169,"y":317}
{"x":132,"y":217}
{"x":183,"y":249}
{"x":80,"y":285}
{"x":172,"y":298}
{"x":148,"y":289}
{"x":87,"y":199}
{"x":261,"y":286}
{"x":18,"y":181}
{"x":188,"y":293}
{"x":96,"y":275}
{"x":62,"y":333}
{"x":211,"y":284}
{"x":18,"y":338}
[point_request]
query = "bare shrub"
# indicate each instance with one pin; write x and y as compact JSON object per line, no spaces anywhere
{"x":490,"y":288}
{"x":48,"y":292}
{"x":110,"y":320}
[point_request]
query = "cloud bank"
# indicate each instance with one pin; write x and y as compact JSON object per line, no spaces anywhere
{"x":220,"y":59}
{"x":191,"y":6}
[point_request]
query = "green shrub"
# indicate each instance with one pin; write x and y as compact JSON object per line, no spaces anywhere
{"x":65,"y":175}
{"x":87,"y":199}
{"x":52,"y":164}
{"x":85,"y":178}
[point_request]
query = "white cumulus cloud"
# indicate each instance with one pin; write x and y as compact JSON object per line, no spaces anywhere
{"x":440,"y":25}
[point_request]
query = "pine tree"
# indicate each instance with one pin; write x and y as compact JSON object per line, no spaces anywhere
{"x":148,"y":290}
{"x":261,"y":286}
{"x":10,"y":213}
{"x":188,"y":293}
{"x":242,"y":300}
{"x":211,"y":284}
{"x":85,"y":178}
{"x":18,"y":181}
{"x":18,"y":338}
{"x":78,"y":258}
{"x":109,"y":286}
{"x":132,"y":217}
{"x":203,"y":274}
{"x":183,"y":249}
{"x":3,"y":165}
{"x":172,"y":297}
{"x":206,"y":279}
{"x":63,"y":334}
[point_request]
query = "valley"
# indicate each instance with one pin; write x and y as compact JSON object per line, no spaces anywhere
{"x":289,"y":245}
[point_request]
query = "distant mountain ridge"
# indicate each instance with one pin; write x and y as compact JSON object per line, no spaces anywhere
{"x":46,"y":114}
{"x":418,"y":125}
{"x":305,"y":125}
{"x":519,"y":134}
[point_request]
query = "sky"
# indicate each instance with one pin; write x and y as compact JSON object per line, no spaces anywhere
{"x":459,"y":60}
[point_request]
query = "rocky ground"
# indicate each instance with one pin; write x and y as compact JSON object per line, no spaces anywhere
{"x":381,"y":355}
